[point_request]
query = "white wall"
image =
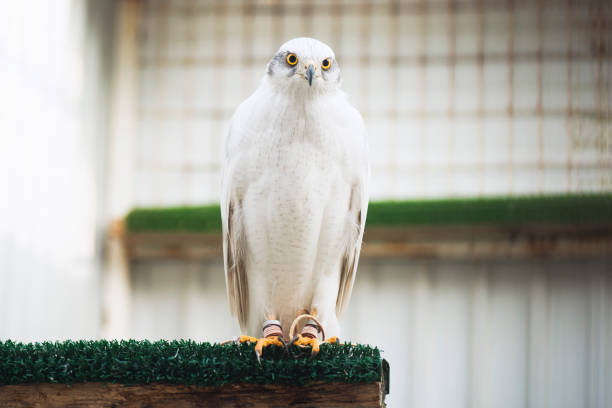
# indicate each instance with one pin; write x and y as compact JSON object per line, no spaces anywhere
{"x":53,"y":76}
{"x":502,"y":334}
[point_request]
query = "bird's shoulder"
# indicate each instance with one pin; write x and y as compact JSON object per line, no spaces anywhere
{"x":240,"y":125}
{"x":352,"y":120}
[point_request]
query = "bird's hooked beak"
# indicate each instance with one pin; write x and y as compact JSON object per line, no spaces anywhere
{"x":309,"y":74}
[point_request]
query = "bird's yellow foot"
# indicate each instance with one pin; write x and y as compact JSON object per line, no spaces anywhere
{"x":265,"y":342}
{"x":273,"y":335}
{"x":246,"y":339}
{"x":259,"y":343}
{"x":305,"y":341}
{"x":309,"y":334}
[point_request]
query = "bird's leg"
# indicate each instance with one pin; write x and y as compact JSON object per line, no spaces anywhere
{"x":272,"y":335}
{"x":271,"y":329}
{"x":309,"y":335}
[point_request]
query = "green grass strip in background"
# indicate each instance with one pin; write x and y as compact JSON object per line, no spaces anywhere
{"x":182,"y":362}
{"x":173,"y":219}
{"x":550,"y":209}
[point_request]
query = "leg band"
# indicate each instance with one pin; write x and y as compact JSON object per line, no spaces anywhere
{"x":311,"y":329}
{"x":312,"y":320}
{"x":272,"y":328}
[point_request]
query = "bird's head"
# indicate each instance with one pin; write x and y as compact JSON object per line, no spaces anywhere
{"x":305,"y":64}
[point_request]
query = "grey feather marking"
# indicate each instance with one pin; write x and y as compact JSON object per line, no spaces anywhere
{"x":237,"y":282}
{"x":348,"y":268}
{"x":280,"y":60}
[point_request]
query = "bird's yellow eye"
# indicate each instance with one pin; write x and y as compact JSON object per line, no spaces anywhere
{"x":292,"y":59}
{"x":326,"y":63}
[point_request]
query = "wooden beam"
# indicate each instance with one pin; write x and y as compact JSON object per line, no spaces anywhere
{"x":414,"y":242}
{"x":120,"y":178}
{"x":489,"y":242}
{"x":163,"y":395}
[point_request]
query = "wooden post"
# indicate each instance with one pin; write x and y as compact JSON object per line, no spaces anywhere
{"x":116,"y":292}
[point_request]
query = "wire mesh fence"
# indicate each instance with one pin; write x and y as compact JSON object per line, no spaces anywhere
{"x":461,"y":98}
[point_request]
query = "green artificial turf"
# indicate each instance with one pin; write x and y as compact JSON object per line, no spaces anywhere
{"x":182,"y":362}
{"x":192,"y":219}
{"x":551,"y":209}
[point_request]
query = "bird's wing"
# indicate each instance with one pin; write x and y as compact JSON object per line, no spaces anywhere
{"x":234,"y":254}
{"x":358,"y":209}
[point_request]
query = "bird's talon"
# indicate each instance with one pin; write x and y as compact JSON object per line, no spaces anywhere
{"x":294,"y":339}
{"x":285,"y":345}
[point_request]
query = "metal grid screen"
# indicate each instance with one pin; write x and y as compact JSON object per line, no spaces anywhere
{"x":459,"y":97}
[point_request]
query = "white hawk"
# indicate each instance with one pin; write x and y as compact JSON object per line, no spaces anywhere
{"x":294,"y":199}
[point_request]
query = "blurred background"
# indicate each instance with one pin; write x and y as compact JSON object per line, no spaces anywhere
{"x":106,"y":106}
